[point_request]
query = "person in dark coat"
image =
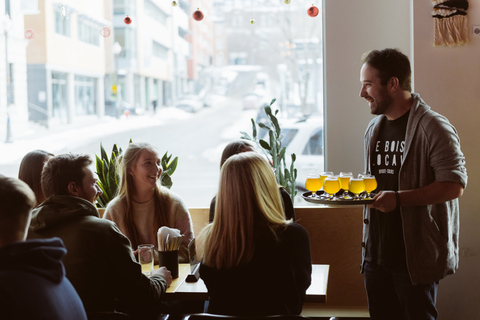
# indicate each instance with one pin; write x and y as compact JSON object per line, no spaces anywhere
{"x":32,"y":276}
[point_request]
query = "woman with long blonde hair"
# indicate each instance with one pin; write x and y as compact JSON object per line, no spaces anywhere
{"x":142,"y":205}
{"x":255,"y":262}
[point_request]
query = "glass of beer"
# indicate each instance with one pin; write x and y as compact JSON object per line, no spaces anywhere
{"x":357,"y":186}
{"x":344,"y":179}
{"x":370,"y":185}
{"x":313,"y":183}
{"x":324,"y":175}
{"x":331,"y":185}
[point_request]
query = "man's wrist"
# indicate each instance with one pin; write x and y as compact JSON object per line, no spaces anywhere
{"x":397,"y":197}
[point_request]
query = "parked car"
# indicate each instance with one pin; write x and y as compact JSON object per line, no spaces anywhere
{"x":189,"y":104}
{"x":304,"y":137}
{"x":252,"y":100}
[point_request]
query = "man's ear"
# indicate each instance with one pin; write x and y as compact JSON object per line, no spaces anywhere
{"x":393,"y":84}
{"x":73,"y":189}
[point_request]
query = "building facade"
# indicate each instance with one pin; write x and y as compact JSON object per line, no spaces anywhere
{"x":66,"y":61}
{"x":13,"y":72}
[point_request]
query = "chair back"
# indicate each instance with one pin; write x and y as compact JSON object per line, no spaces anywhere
{"x":108,"y":316}
{"x":210,"y":316}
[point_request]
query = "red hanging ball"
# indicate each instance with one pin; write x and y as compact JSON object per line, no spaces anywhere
{"x":127,"y":20}
{"x":312,"y":11}
{"x":198,"y":15}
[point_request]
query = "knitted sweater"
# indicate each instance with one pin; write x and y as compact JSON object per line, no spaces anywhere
{"x":143,"y":217}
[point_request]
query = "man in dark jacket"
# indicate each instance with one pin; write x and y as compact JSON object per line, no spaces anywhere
{"x":99,"y":263}
{"x":32,"y":276}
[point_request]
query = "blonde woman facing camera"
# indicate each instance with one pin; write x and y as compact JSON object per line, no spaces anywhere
{"x":250,"y":242}
{"x":142,"y":205}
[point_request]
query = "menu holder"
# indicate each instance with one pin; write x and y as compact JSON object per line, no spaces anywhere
{"x":194,"y":273}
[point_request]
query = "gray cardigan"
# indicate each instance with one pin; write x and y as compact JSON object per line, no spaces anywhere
{"x":432,"y":153}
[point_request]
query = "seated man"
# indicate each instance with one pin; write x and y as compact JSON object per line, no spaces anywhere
{"x":99,"y":263}
{"x":32,"y":276}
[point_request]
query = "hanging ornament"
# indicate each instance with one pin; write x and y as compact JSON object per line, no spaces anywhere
{"x":312,"y":11}
{"x":63,"y":12}
{"x":29,"y":34}
{"x":105,"y":32}
{"x":174,"y":3}
{"x":286,"y":1}
{"x":252,"y":21}
{"x":198,"y":15}
{"x":127,"y":20}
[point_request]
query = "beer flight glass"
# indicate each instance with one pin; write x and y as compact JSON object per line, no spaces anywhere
{"x":313,"y":184}
{"x":331,"y":184}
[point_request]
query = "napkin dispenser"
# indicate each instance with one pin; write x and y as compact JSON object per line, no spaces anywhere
{"x":194,"y":273}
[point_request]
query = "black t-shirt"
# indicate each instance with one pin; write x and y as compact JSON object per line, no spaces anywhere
{"x":386,"y":245}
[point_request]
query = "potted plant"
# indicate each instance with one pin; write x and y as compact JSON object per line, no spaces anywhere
{"x":274,"y":151}
{"x":108,"y":178}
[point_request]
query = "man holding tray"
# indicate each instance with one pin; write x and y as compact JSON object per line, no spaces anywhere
{"x":410,"y":233}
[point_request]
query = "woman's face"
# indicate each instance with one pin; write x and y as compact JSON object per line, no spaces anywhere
{"x":146,"y":171}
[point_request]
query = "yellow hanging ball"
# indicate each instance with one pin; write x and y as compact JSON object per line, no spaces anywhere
{"x":252,"y":21}
{"x":174,"y":3}
{"x":287,"y":1}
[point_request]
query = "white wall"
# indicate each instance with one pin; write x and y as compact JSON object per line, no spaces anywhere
{"x":447,"y":78}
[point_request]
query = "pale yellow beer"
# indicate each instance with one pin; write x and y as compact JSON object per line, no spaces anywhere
{"x":357,"y":186}
{"x":331,"y":185}
{"x":324,"y":175}
{"x":344,"y":182}
{"x":370,"y":183}
{"x":313,"y":183}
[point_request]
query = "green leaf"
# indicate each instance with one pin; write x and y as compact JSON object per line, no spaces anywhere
{"x":263,"y":126}
{"x":268,"y":111}
{"x":264,"y":144}
{"x":171,"y":167}
{"x":273,"y":101}
{"x":245,"y":136}
{"x":254,"y":129}
{"x":166,"y":181}
{"x":103,"y":154}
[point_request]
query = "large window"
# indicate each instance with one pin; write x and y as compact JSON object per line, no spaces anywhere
{"x":59,"y":95}
{"x":159,"y":50}
{"x":209,"y":78}
{"x":88,"y":31}
{"x":155,"y":12}
{"x":62,"y":22}
{"x":84,"y":95}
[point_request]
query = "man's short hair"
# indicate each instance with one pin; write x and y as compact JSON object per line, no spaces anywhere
{"x":60,"y":170}
{"x":390,"y":63}
{"x":16,"y":202}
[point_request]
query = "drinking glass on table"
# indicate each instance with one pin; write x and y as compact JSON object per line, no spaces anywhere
{"x":370,"y":185}
{"x":146,"y":258}
{"x":357,"y":186}
{"x":313,"y":183}
{"x":331,"y":186}
{"x":344,"y":179}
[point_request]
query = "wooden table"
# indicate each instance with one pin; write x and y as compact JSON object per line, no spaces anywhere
{"x":181,"y":290}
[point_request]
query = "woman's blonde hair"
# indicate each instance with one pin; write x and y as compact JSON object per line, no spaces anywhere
{"x":126,"y":191}
{"x":248,"y":202}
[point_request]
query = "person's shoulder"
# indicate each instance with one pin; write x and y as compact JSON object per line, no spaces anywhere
{"x":115,"y":208}
{"x":117,"y":203}
{"x":294,"y":229}
{"x":174,"y":198}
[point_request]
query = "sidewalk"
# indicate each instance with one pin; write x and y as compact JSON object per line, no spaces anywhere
{"x":72,"y":135}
